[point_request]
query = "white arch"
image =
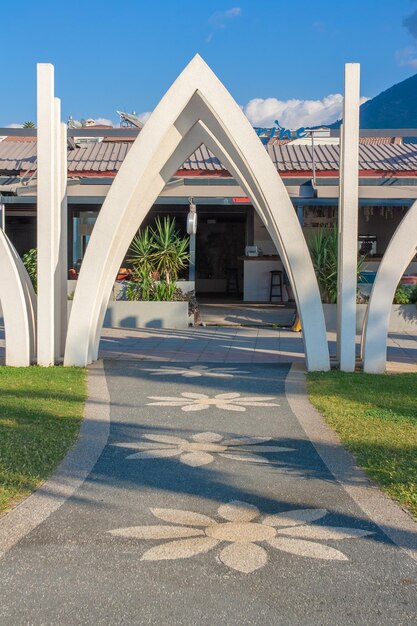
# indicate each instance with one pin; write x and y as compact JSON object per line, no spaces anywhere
{"x":18,"y":302}
{"x":397,"y":257}
{"x":197,"y":108}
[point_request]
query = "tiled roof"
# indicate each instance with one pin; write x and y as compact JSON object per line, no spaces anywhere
{"x":20,"y":139}
{"x":17,"y":155}
{"x":380,"y":140}
{"x":107,"y":157}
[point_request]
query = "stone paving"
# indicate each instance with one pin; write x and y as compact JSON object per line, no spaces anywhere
{"x":208,"y":505}
{"x":235,"y":345}
{"x":230,"y":344}
{"x":210,"y":344}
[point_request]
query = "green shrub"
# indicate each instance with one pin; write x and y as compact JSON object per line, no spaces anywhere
{"x":133,"y":291}
{"x":413,"y":295}
{"x":402,"y":295}
{"x":30,"y":261}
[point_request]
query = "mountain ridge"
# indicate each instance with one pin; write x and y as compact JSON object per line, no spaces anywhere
{"x":396,"y":107}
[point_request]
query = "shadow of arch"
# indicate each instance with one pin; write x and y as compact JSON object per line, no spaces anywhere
{"x":196,"y":109}
{"x":18,"y":302}
{"x":397,"y":257}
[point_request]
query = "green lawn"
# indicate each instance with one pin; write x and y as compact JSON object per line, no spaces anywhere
{"x":40,"y":415}
{"x":376,"y":418}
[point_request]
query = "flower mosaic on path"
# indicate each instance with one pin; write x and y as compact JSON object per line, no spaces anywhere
{"x":242,"y":528}
{"x":196,"y":371}
{"x":189,"y":401}
{"x":202,"y":448}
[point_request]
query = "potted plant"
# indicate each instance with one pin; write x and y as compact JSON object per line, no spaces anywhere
{"x":151,"y":296}
{"x":323,"y":246}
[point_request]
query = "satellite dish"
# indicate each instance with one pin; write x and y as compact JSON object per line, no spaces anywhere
{"x":192,"y":223}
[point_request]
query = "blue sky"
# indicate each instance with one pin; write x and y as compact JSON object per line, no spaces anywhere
{"x":124,"y":56}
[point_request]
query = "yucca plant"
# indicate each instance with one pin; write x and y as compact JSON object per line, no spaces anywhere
{"x":324,"y":249}
{"x":140,"y":252}
{"x":324,"y":253}
{"x":140,"y":256}
{"x":169,"y":249}
{"x":158,"y":255}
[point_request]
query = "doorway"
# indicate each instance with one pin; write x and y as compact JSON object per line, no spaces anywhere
{"x":220,"y":244}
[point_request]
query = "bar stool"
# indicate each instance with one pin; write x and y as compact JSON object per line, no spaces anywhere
{"x":276,"y":286}
{"x":232,"y":280}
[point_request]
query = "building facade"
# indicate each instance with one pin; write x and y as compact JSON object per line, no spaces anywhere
{"x":227,"y":222}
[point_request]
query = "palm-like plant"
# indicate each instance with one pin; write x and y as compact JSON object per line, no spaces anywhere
{"x":324,"y":251}
{"x":169,"y":249}
{"x":140,"y":252}
{"x":324,"y":254}
{"x":28,"y":124}
{"x":157,"y":255}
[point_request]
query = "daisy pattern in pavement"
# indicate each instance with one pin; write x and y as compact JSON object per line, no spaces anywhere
{"x":241,"y":529}
{"x":189,"y":401}
{"x":196,"y":371}
{"x":201,"y":448}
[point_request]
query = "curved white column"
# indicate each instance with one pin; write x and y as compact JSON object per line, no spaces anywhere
{"x":18,"y":303}
{"x":196,"y":95}
{"x":398,"y":255}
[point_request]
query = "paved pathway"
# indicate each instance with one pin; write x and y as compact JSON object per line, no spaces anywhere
{"x":208,"y":505}
{"x":230,"y":345}
{"x":236,"y":345}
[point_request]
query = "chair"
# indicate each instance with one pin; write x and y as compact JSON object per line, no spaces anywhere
{"x":232,"y":280}
{"x":276,"y":285}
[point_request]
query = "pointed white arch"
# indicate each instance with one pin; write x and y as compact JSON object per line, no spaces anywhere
{"x":196,"y":109}
{"x":397,"y":257}
{"x":18,"y":302}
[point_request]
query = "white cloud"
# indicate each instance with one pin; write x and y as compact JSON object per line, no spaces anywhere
{"x":103,"y":121}
{"x":407,"y":57}
{"x":219,"y":20}
{"x":144,"y":116}
{"x":294,"y":113}
{"x":14,"y":126}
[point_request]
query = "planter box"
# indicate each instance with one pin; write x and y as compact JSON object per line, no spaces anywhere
{"x":185,"y":285}
{"x":124,"y":314}
{"x":403,"y":317}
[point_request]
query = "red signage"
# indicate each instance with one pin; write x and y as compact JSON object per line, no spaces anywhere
{"x":237,"y":200}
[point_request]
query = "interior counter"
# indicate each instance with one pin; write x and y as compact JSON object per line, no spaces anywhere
{"x":257,"y":277}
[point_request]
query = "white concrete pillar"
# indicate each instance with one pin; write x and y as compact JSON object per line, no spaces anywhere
{"x":63,"y":245}
{"x":348,"y":220}
{"x":57,"y":229}
{"x":60,"y":232}
{"x":46,"y":213}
